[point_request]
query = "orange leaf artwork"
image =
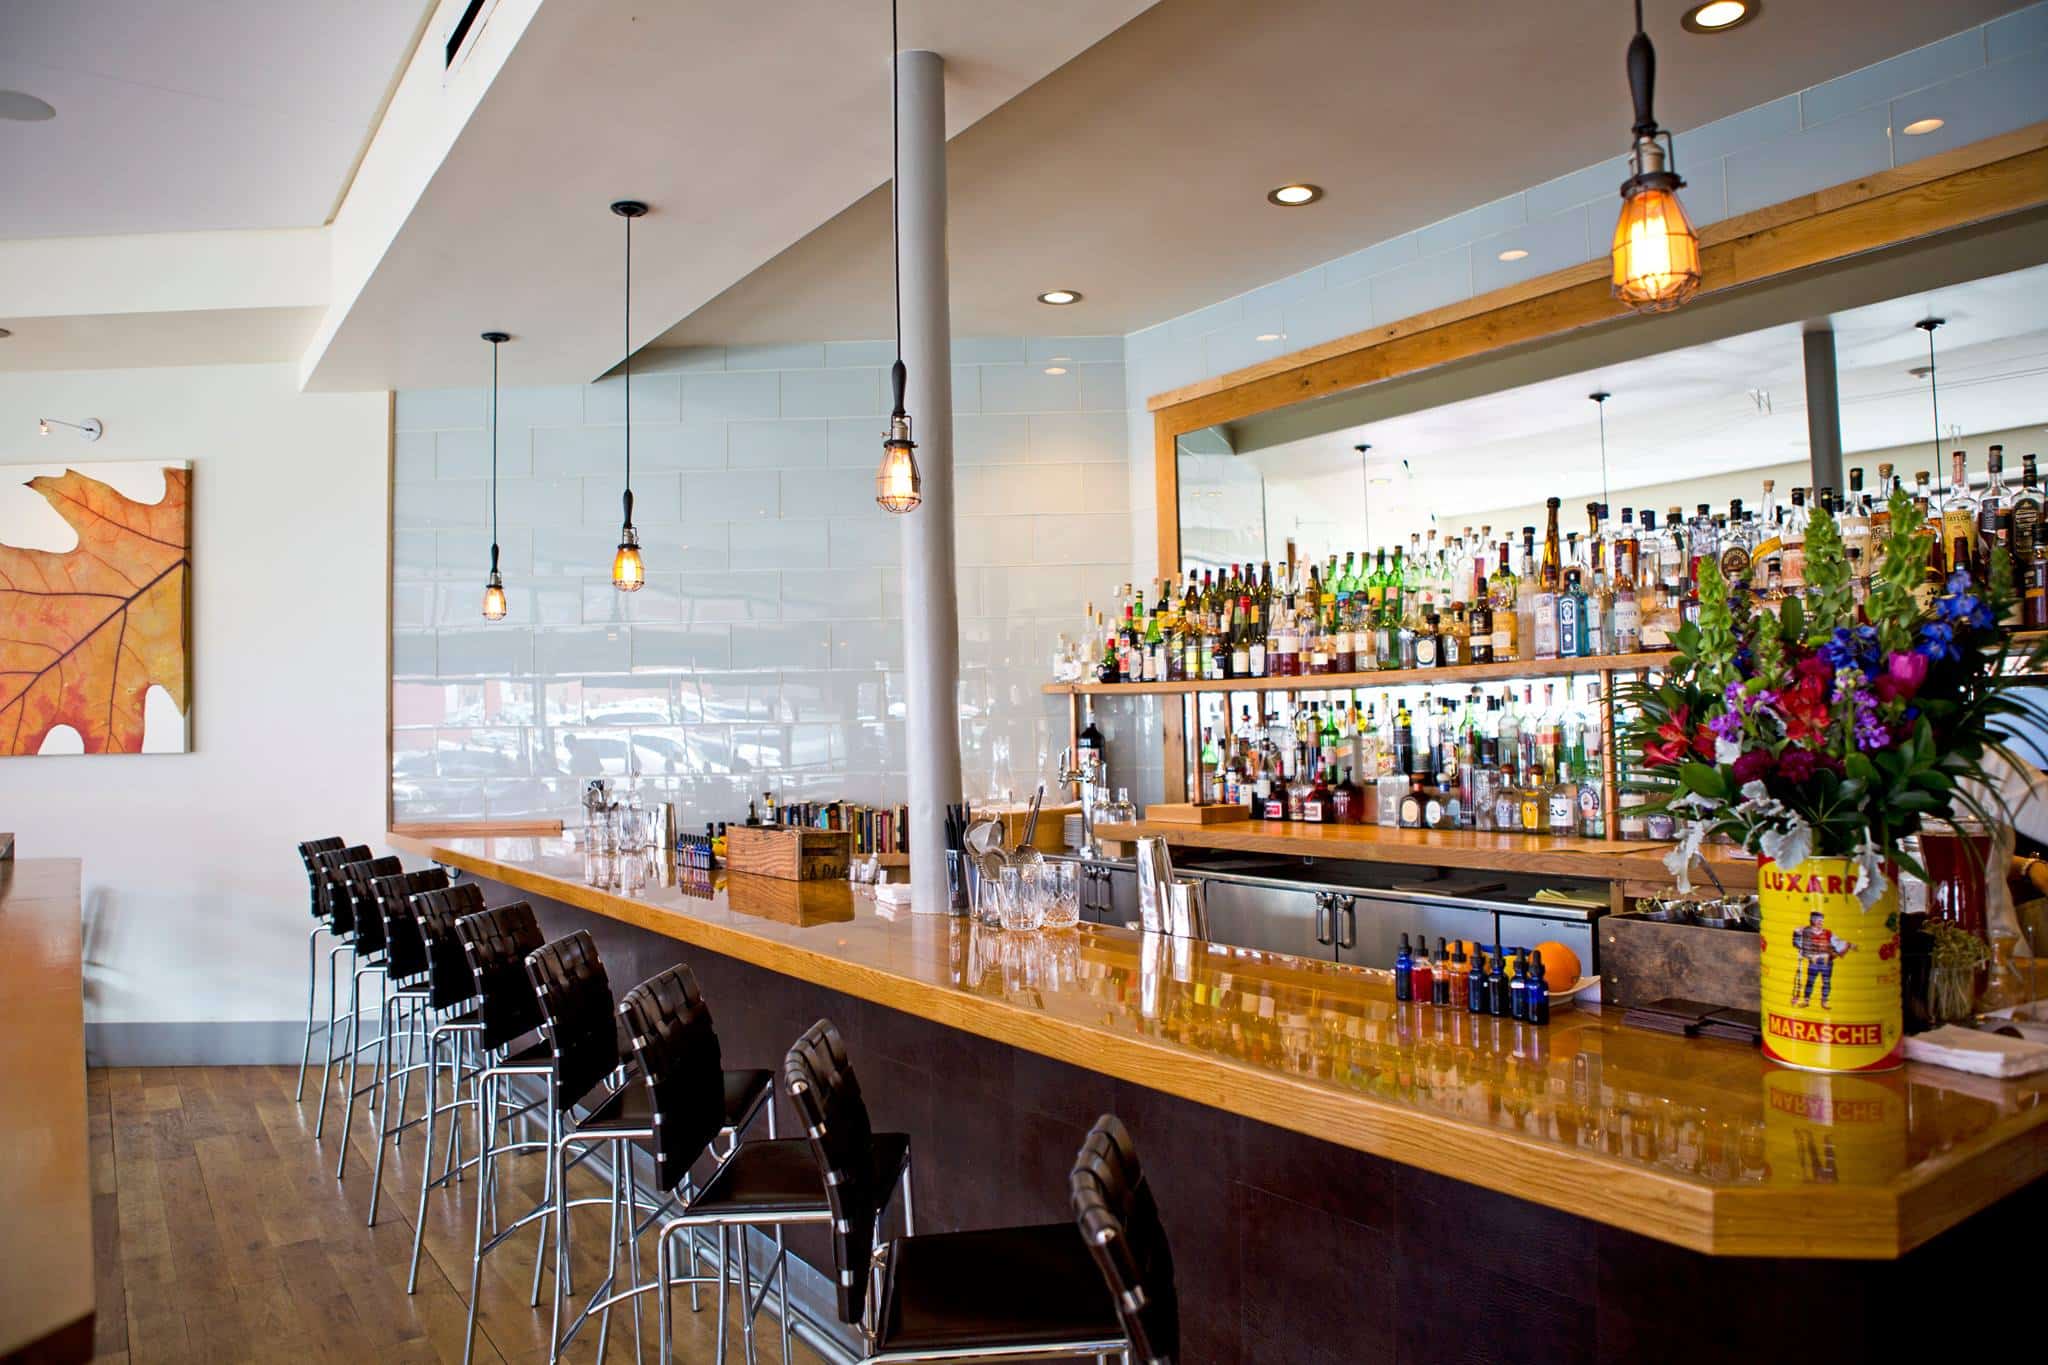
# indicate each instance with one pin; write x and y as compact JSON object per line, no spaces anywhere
{"x":85,"y":632}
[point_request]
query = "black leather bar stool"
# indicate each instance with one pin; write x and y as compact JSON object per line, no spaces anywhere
{"x":990,"y":1294}
{"x":455,"y":1020}
{"x":697,"y":1104}
{"x":367,"y":960}
{"x":407,"y":1004}
{"x":496,"y":942}
{"x":582,"y":1027}
{"x":339,"y":901}
{"x":318,"y":908}
{"x":1120,"y":1224}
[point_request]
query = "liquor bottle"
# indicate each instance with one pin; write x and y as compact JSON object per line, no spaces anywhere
{"x":1404,"y":738}
{"x":1561,"y":804}
{"x":1347,"y":800}
{"x":2030,"y":548}
{"x":1427,"y":640}
{"x":1543,"y":604}
{"x":1479,"y":629}
{"x":1327,"y":742}
{"x":1404,"y":972}
{"x":1994,"y":514}
{"x":1316,"y":802}
{"x":1093,"y":748}
{"x":1453,"y":641}
{"x":1212,"y":780}
{"x":1959,"y":517}
{"x":1880,"y":514}
{"x":1571,"y":618}
{"x":1501,"y":591}
{"x":1855,"y":518}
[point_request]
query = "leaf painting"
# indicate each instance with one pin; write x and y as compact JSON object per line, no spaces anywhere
{"x":85,"y":632}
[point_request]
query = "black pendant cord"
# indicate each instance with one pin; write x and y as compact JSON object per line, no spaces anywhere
{"x":1642,"y":76}
{"x":1600,"y":399}
{"x":896,"y":371}
{"x":494,"y":457}
{"x":627,"y":501}
{"x":1934,"y":399}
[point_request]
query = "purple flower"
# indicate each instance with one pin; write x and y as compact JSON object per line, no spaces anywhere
{"x":1871,"y":732}
{"x":1937,"y":642}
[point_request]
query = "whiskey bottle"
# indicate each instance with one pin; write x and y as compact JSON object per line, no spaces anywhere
{"x":1959,"y":517}
{"x":1543,"y":605}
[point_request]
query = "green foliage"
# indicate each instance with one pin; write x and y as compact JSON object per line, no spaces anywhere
{"x":1891,"y":605}
{"x":1830,"y":600}
{"x":1717,"y":639}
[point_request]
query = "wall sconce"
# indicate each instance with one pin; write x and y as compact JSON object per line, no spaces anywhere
{"x":90,"y":429}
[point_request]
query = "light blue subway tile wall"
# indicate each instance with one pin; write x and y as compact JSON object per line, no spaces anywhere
{"x":766,"y":648}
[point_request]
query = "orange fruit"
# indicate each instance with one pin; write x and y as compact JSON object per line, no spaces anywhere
{"x":1560,"y":966}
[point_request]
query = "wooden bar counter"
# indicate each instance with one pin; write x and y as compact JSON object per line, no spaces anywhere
{"x":1290,"y":1111}
{"x":46,"y":1196}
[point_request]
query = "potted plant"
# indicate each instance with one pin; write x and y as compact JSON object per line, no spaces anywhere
{"x":1818,"y":735}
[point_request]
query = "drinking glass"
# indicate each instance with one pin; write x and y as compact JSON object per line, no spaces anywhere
{"x":1062,"y":881}
{"x":1018,"y":903}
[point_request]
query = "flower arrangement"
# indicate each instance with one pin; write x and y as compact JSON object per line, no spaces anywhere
{"x":1813,"y":727}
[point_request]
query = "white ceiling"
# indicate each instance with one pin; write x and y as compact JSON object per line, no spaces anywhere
{"x":1137,"y":173}
{"x":187,"y":115}
{"x":1695,"y":412}
{"x":745,"y":126}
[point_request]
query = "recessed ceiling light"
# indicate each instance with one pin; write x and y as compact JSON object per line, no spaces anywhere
{"x":1269,"y":336}
{"x":1294,"y":196}
{"x":23,"y":107}
{"x":1055,"y":369}
{"x":1920,"y":126}
{"x":1514,"y":253}
{"x":1718,"y":16}
{"x":1059,"y":298}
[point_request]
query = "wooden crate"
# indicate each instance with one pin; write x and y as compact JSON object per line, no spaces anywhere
{"x":1643,"y":960}
{"x":787,"y":851}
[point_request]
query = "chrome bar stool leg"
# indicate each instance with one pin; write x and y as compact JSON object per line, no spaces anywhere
{"x":312,"y":1003}
{"x":486,"y":1193}
{"x":327,"y":1066}
{"x":394,"y":1004}
{"x":348,"y":1106}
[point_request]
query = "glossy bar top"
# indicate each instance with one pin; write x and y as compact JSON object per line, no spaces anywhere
{"x":1697,"y":1143}
{"x":46,"y":1191}
{"x":1611,"y":860}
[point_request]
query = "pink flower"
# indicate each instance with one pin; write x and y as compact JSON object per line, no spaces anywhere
{"x":1903,"y":674}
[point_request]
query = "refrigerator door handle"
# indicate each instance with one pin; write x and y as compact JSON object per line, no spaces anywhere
{"x":1349,"y":936}
{"x":1324,"y":926}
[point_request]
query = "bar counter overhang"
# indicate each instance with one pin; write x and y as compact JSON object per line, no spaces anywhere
{"x":1321,"y":1151}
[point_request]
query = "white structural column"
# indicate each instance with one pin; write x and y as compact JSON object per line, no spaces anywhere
{"x":931,"y":605}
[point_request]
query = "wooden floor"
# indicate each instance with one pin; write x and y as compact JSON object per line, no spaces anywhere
{"x":220,"y":1235}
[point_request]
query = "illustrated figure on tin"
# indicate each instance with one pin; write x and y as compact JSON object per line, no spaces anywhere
{"x":1818,"y":947}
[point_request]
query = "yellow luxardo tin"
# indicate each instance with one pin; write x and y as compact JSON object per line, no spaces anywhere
{"x":1830,"y":969}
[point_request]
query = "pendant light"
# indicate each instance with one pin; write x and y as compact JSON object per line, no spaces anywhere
{"x":628,"y":572}
{"x":494,"y":586}
{"x":898,"y":488}
{"x":1656,"y":254}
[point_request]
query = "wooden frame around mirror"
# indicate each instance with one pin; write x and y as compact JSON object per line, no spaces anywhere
{"x":1999,"y":178}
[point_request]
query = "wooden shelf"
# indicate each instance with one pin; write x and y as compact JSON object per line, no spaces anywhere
{"x":1609,"y":860}
{"x":1382,"y":677}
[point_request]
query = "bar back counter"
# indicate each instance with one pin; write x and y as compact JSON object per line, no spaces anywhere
{"x":1345,"y":1177}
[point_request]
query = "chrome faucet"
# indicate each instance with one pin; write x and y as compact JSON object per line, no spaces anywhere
{"x":1087,"y":781}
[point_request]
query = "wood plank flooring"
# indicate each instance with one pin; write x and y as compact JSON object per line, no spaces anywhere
{"x":221,"y":1235}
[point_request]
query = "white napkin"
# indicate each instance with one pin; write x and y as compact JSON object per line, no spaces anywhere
{"x":1986,"y":1054}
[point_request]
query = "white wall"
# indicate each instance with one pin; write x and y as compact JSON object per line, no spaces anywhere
{"x":195,"y":900}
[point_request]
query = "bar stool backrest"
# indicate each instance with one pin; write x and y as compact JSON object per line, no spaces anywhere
{"x":576,"y":1014}
{"x":332,"y":844}
{"x":449,"y":978}
{"x":363,"y":900}
{"x":334,"y":887}
{"x":670,"y":1026}
{"x":1120,"y":1222}
{"x":497,"y":942}
{"x":405,"y":952}
{"x":826,"y":1093}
